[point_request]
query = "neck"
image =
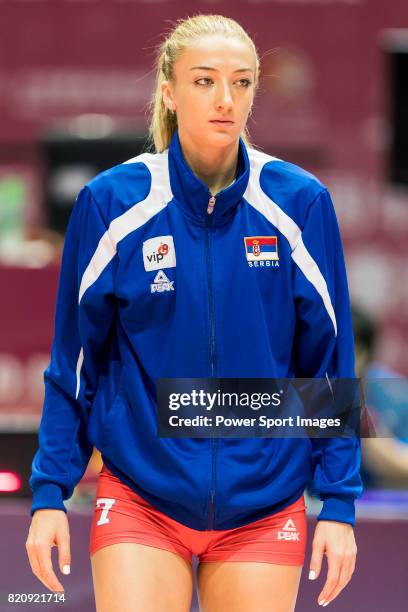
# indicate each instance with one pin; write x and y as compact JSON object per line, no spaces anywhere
{"x":215,"y":167}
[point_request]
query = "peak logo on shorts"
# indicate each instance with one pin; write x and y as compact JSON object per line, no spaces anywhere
{"x":158,"y":253}
{"x":262,"y":251}
{"x":289,"y":531}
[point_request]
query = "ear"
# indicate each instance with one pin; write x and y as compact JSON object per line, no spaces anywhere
{"x":167,"y":95}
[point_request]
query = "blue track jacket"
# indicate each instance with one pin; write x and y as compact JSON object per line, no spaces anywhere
{"x":153,"y":286}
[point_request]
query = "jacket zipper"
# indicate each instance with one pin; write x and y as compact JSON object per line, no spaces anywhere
{"x":210,"y":209}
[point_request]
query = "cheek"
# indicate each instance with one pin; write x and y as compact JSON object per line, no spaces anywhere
{"x":193,"y":105}
{"x":244,"y":109}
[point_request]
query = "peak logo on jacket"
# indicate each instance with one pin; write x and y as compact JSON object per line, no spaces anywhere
{"x":161,"y":283}
{"x":159,"y":253}
{"x":262,"y":251}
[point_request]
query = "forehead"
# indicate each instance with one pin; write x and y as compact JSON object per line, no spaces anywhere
{"x":218,"y":52}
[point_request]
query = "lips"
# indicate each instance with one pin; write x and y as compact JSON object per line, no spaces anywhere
{"x":221,"y":121}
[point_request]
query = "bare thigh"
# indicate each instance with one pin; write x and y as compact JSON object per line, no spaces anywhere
{"x":130,"y":577}
{"x":247,"y":586}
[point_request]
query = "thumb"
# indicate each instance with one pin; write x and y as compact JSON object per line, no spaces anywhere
{"x":64,"y":554}
{"x":316,"y":559}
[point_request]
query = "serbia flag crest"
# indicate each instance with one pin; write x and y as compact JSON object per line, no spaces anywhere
{"x":261,"y":248}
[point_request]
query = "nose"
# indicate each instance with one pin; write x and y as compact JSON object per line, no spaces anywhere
{"x":224,"y":97}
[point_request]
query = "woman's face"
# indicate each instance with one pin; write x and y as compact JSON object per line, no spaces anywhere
{"x":214,"y":80}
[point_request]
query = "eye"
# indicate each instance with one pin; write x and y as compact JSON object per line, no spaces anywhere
{"x":246,"y":82}
{"x":202,"y":79}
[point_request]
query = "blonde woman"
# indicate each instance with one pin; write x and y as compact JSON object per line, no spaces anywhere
{"x":207,"y":258}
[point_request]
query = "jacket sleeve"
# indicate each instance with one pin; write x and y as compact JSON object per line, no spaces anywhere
{"x":324,"y":348}
{"x":83,"y":318}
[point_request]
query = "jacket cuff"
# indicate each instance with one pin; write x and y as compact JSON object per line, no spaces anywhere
{"x":338,"y":508}
{"x":47,"y":495}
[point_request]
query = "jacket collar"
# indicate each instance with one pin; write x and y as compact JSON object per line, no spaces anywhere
{"x":192,"y":195}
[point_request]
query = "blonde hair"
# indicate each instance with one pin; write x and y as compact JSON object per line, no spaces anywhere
{"x":163,"y":122}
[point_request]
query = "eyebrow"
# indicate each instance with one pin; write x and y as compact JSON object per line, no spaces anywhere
{"x":215,"y":69}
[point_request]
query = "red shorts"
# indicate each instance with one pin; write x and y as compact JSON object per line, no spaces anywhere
{"x":120,"y":515}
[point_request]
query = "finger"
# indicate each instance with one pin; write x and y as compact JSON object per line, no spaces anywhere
{"x":32,"y":557}
{"x":32,"y":551}
{"x":333,"y":575}
{"x":35,"y":566}
{"x":353,"y":565}
{"x":316,"y":559}
{"x":64,"y":554}
{"x":344,"y":578}
{"x":47,"y":574}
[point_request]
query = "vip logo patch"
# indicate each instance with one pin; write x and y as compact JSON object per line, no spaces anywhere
{"x":159,"y":253}
{"x":262,"y":251}
{"x":161,"y":283}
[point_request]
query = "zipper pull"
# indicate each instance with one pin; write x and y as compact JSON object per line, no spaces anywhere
{"x":211,"y":204}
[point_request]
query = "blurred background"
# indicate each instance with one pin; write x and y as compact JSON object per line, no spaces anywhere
{"x":76,"y":77}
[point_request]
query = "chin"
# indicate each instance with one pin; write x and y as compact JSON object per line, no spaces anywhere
{"x":207,"y":136}
{"x":222,"y":139}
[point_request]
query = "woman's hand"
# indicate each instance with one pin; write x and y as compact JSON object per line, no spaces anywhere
{"x":336,"y":540}
{"x":49,"y":528}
